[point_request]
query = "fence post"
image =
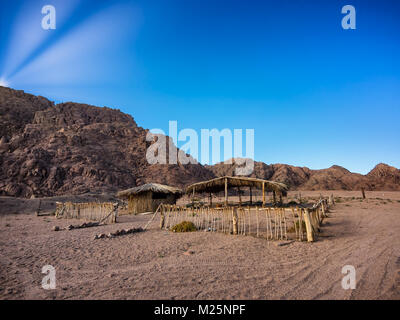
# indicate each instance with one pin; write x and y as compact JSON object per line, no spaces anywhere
{"x":235,"y":221}
{"x":115,"y":214}
{"x":323,"y":210}
{"x":38,"y":209}
{"x":162,"y":217}
{"x":310,"y":237}
{"x":331,"y":200}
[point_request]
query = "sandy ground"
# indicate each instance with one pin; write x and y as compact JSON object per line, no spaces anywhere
{"x":156,"y":264}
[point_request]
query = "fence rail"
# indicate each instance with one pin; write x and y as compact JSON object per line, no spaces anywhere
{"x":103,"y":212}
{"x":295,"y":223}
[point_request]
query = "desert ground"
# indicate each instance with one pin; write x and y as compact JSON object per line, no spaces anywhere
{"x":158,"y":264}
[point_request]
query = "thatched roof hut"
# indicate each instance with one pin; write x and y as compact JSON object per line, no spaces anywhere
{"x":152,"y":187}
{"x":147,"y":197}
{"x":224,"y":183}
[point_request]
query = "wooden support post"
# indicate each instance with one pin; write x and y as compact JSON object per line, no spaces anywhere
{"x":210,"y":199}
{"x":226,"y":192}
{"x":309,"y":229}
{"x":235,"y":221}
{"x":280,"y":199}
{"x":274,"y":197}
{"x":263,"y":194}
{"x":162,"y":219}
{"x":193,"y":197}
{"x":251,"y":196}
{"x":258,"y":222}
{"x":240,"y":197}
{"x":331,"y":200}
{"x":363,"y":192}
{"x":115,"y":213}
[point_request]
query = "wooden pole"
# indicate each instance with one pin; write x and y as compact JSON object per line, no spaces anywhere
{"x":263,"y":194}
{"x":258,"y":223}
{"x":162,"y":220}
{"x":274,"y":196}
{"x":210,"y":199}
{"x":251,"y":196}
{"x":310,"y":236}
{"x":235,"y":221}
{"x":193,"y":197}
{"x":38,"y":209}
{"x":226,"y":192}
{"x":240,"y":197}
{"x":323,"y":210}
{"x":363,"y":192}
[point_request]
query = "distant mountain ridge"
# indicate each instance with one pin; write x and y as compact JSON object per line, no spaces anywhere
{"x":382,"y":177}
{"x":72,"y":148}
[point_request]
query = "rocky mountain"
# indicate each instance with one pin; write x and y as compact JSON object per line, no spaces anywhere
{"x":384,"y":177}
{"x":70,"y":148}
{"x":73,"y":148}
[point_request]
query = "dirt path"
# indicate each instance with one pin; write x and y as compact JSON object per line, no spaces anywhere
{"x":153,"y":264}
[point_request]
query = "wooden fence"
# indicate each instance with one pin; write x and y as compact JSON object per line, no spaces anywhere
{"x":103,"y":212}
{"x":295,"y":223}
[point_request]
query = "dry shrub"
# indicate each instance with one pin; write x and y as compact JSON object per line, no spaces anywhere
{"x":184,"y":226}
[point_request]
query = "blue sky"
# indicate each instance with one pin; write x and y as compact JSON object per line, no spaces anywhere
{"x":315,"y":94}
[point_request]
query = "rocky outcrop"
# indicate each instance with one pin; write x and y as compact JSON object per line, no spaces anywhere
{"x":73,"y":148}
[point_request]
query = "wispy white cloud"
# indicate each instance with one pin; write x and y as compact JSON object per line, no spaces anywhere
{"x":27,"y":33}
{"x":89,"y":53}
{"x":3,"y":82}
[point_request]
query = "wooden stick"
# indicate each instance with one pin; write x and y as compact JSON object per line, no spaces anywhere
{"x":258,"y":225}
{"x":284,"y":223}
{"x":226,"y":192}
{"x":263,"y":194}
{"x":162,"y":217}
{"x":234,"y":221}
{"x":249,"y":220}
{"x":309,"y":229}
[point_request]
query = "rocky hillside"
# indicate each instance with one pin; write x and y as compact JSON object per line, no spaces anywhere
{"x":71,"y":148}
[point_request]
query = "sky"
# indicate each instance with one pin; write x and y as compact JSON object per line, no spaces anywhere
{"x":315,"y":94}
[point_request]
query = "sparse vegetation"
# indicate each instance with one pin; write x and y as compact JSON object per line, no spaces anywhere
{"x":184,"y":226}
